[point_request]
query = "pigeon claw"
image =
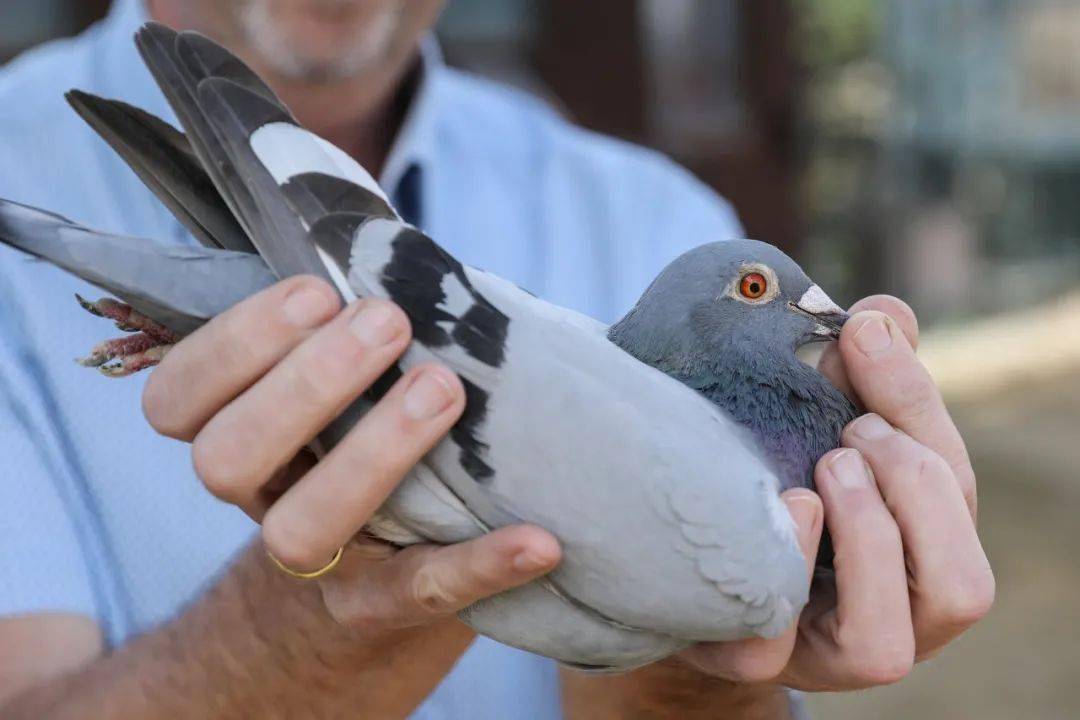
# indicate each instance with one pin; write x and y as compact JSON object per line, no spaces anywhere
{"x":120,"y":357}
{"x":131,"y":364}
{"x":88,"y":306}
{"x":127,"y":318}
{"x":119,"y":347}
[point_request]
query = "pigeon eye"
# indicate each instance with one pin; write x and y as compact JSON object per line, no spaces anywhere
{"x":752,"y":285}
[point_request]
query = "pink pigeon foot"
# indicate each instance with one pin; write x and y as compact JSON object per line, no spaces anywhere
{"x":120,"y":357}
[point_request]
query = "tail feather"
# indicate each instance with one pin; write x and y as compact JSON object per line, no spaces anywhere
{"x":179,"y":287}
{"x":163,"y":159}
{"x":202,"y":58}
{"x":157,"y":46}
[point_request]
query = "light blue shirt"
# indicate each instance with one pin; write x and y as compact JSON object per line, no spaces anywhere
{"x":102,"y":517}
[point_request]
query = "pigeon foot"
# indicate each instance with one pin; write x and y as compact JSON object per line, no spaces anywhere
{"x":120,"y":357}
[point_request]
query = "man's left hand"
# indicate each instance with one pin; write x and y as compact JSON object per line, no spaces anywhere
{"x":899,"y":502}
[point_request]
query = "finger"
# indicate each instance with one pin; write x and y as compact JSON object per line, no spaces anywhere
{"x":241,"y":447}
{"x":761,"y":659}
{"x":832,"y":365}
{"x":952,"y":585}
{"x":424,"y":583}
{"x":207,"y":369}
{"x":330,"y":504}
{"x":867,"y":639}
{"x":892,"y":382}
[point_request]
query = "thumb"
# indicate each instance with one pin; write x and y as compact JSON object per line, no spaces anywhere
{"x":831,"y":364}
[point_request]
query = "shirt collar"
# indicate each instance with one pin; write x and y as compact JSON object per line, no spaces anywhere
{"x":126,"y":78}
{"x":415,"y":140}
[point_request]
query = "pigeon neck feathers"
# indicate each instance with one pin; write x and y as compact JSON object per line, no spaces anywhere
{"x":793,"y":411}
{"x":795,"y":414}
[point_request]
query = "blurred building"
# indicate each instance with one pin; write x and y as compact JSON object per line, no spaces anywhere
{"x":713,"y":83}
{"x":946,"y":161}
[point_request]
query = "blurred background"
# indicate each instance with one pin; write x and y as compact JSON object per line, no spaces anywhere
{"x":926,"y":148}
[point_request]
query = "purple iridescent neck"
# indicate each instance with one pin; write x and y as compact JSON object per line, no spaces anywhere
{"x":791,"y":409}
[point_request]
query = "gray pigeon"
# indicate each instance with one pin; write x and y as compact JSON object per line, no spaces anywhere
{"x":655,"y":450}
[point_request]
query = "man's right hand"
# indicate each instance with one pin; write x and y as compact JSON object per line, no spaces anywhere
{"x":255,"y":385}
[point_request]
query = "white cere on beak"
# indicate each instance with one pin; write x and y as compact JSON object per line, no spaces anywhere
{"x":817,"y":302}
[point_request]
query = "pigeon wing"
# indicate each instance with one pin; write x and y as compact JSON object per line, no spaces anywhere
{"x":668,"y":513}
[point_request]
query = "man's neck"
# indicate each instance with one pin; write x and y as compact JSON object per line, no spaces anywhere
{"x":359,"y":114}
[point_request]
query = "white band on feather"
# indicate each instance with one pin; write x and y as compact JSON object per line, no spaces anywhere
{"x":288,"y":150}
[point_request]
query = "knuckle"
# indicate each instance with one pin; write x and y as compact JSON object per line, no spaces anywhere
{"x":361,"y":617}
{"x":881,"y":660}
{"x":214,"y":466}
{"x":430,"y":592}
{"x":883,"y":668}
{"x":968,"y":600}
{"x":344,"y":609}
{"x":756,"y":667}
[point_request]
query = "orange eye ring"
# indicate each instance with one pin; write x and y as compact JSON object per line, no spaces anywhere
{"x":753,"y":285}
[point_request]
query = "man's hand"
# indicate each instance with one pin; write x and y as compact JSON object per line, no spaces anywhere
{"x":252,"y":387}
{"x":899,"y":502}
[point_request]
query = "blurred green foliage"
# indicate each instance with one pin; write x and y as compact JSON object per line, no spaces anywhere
{"x":835,"y":32}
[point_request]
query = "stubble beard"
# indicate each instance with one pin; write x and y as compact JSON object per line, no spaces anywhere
{"x":263,"y":32}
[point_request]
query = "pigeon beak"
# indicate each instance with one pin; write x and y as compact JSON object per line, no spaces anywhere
{"x":829,"y":316}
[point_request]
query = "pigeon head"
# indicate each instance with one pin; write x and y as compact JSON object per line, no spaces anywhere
{"x":740,"y":297}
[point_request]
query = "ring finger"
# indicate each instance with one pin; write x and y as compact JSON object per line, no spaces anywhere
{"x":331,"y":503}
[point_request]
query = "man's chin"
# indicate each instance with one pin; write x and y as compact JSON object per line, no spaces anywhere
{"x":310,"y":50}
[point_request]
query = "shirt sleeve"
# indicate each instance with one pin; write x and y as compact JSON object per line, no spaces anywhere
{"x":43,"y":562}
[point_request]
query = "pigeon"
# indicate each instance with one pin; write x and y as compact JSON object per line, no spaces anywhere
{"x":654,"y":449}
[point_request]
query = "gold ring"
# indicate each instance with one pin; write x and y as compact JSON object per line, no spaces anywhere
{"x":308,"y":575}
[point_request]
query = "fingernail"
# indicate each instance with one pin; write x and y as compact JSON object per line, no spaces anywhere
{"x":306,"y":308}
{"x":526,"y":562}
{"x":871,"y":427}
{"x":428,"y":396}
{"x":873,"y":337}
{"x":374,"y":325}
{"x":849,"y":470}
